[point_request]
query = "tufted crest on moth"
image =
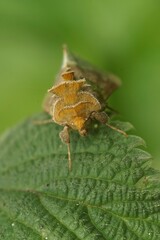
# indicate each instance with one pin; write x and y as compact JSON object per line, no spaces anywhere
{"x":74,"y":116}
{"x":67,"y":87}
{"x":68,"y":75}
{"x":73,"y":106}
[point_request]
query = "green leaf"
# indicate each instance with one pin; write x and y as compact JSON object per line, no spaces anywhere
{"x":111,"y":192}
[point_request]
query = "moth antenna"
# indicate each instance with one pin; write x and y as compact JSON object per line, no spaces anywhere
{"x":65,"y":138}
{"x":69,"y":157}
{"x":42,"y":122}
{"x":117,"y":129}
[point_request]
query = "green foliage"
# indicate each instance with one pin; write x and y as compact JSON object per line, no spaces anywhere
{"x":111,"y":192}
{"x":122,"y":37}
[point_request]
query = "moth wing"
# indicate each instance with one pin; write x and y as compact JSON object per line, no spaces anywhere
{"x":103,"y":85}
{"x":48,"y":102}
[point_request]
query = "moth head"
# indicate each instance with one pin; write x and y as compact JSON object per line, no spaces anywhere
{"x":78,"y":123}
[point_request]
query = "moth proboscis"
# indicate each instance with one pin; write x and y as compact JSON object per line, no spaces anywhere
{"x":79,"y":95}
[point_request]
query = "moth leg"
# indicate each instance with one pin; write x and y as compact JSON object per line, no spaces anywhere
{"x":103,"y":118}
{"x":117,"y":129}
{"x":42,"y":122}
{"x":64,"y":136}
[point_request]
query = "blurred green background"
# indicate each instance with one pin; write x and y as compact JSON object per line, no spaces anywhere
{"x":119,"y":36}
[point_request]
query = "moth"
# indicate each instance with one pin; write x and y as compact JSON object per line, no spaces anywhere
{"x":78,"y":96}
